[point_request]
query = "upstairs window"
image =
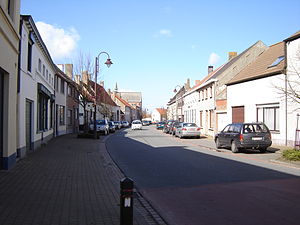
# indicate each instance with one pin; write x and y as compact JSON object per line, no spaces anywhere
{"x":62,"y":86}
{"x":277,"y":61}
{"x":40,"y":65}
{"x":10,"y":8}
{"x":29,"y":56}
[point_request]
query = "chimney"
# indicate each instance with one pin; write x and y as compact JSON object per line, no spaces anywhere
{"x":231,"y":55}
{"x":69,"y":70}
{"x":102,"y":83}
{"x":187,"y":85}
{"x":85,"y":77}
{"x":60,"y":66}
{"x":77,"y":79}
{"x":210,"y":69}
{"x":197,"y":82}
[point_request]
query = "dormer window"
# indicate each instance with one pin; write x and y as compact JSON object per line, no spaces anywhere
{"x":277,"y":61}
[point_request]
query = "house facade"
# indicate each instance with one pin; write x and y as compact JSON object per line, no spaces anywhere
{"x":9,"y":48}
{"x":36,"y":90}
{"x":268,"y":102}
{"x":158,"y":114}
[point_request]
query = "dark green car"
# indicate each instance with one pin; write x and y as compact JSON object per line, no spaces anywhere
{"x":160,"y":125}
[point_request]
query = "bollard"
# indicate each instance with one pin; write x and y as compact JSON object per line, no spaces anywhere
{"x":126,"y":201}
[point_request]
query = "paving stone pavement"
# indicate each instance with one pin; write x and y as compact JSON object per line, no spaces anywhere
{"x":68,"y":181}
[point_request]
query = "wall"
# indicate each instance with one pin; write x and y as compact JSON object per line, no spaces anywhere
{"x":9,"y":39}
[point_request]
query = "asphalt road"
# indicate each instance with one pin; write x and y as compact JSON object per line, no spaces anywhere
{"x":188,"y":185}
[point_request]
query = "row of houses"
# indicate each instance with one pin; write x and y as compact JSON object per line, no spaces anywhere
{"x":40,"y":100}
{"x":260,"y":84}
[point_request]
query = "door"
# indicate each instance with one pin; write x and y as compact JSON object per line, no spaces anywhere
{"x":222,"y":121}
{"x":238,"y":114}
{"x":1,"y":116}
{"x":28,"y":125}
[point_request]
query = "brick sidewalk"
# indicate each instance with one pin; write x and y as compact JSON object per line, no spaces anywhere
{"x":69,"y":181}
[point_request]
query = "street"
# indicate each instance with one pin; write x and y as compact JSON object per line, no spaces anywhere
{"x":188,"y":184}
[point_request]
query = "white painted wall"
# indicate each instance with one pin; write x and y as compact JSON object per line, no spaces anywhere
{"x":28,"y":89}
{"x":155,"y":116}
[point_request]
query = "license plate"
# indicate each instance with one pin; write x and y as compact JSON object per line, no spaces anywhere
{"x":257,"y":138}
{"x":191,"y":129}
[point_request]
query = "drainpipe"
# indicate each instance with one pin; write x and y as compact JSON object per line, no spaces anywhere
{"x":286,"y":97}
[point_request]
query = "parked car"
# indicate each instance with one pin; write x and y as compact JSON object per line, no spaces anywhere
{"x":136,"y":125}
{"x":146,"y":122}
{"x":244,"y":135}
{"x":125,"y":124}
{"x":173,"y":127}
{"x":187,"y":130}
{"x":112,"y":127}
{"x":167,"y":126}
{"x":102,"y":126}
{"x":118,"y":125}
{"x":160,"y":125}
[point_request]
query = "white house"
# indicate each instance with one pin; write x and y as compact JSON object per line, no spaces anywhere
{"x":36,"y":93}
{"x":158,"y":114}
{"x":257,"y":93}
{"x":9,"y":50}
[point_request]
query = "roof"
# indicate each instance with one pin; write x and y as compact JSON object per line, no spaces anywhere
{"x":261,"y":67}
{"x":293,"y":37}
{"x":102,"y":95}
{"x":131,"y":96}
{"x":161,"y":111}
{"x":124,"y":102}
{"x":233,"y":60}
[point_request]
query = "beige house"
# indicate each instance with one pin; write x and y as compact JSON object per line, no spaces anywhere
{"x":9,"y":39}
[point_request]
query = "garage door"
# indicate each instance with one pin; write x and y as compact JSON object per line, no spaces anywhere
{"x":238,"y":114}
{"x":222,"y":120}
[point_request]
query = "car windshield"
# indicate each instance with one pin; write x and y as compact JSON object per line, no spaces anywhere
{"x":255,"y":128}
{"x":136,"y":122}
{"x":110,"y":123}
{"x":101,"y":122}
{"x":189,"y":125}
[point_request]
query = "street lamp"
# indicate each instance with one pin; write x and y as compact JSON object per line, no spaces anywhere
{"x":108,"y":63}
{"x":175,"y":91}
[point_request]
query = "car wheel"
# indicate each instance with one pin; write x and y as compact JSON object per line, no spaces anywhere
{"x":234,"y":148}
{"x":180,"y":136}
{"x":218,"y":143}
{"x":263,"y":150}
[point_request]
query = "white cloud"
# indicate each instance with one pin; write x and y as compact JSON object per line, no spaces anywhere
{"x":61,"y":43}
{"x":213,"y":59}
{"x":164,"y":33}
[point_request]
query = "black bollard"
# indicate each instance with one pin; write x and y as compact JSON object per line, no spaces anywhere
{"x":126,"y":201}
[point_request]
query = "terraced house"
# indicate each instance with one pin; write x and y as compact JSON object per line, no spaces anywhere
{"x":9,"y":48}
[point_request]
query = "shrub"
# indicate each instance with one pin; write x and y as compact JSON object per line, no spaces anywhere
{"x":291,"y":155}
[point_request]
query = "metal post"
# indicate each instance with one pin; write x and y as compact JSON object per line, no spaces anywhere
{"x":126,"y":201}
{"x":95,"y":100}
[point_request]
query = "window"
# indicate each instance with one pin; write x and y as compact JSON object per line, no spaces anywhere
{"x":40,"y":65}
{"x":270,"y":116}
{"x":56,"y":83}
{"x":44,"y":70}
{"x":210,"y":92}
{"x":201,"y":114}
{"x":51,"y":114}
{"x":211,"y":125}
{"x":277,"y":61}
{"x":205,"y":93}
{"x":29,"y":56}
{"x":61,"y":115}
{"x":42,"y":112}
{"x":10,"y":8}
{"x":46,"y":74}
{"x":62,"y":86}
{"x":69,"y":90}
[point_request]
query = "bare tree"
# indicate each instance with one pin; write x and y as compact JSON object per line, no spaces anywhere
{"x":83,"y":69}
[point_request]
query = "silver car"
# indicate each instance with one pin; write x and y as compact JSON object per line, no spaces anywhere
{"x":187,"y":130}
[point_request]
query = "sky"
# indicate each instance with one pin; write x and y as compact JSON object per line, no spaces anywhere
{"x":157,"y":45}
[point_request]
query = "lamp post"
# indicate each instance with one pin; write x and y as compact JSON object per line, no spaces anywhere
{"x":108,"y":63}
{"x":175,"y":91}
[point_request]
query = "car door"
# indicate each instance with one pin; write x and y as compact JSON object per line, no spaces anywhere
{"x":222,"y":135}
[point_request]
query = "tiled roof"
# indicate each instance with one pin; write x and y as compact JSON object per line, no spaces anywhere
{"x":293,"y":37}
{"x":124,"y":102}
{"x":102,"y":95}
{"x":161,"y":111}
{"x":261,"y":67}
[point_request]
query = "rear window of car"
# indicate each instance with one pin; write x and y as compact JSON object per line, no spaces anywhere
{"x":101,"y":122}
{"x":255,"y":128}
{"x":189,"y":125}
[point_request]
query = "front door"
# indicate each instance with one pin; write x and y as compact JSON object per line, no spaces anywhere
{"x":1,"y":116}
{"x":28,"y":125}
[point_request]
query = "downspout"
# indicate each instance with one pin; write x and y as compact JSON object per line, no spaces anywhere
{"x":286,"y":80}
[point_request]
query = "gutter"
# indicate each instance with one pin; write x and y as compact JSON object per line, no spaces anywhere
{"x":285,"y":83}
